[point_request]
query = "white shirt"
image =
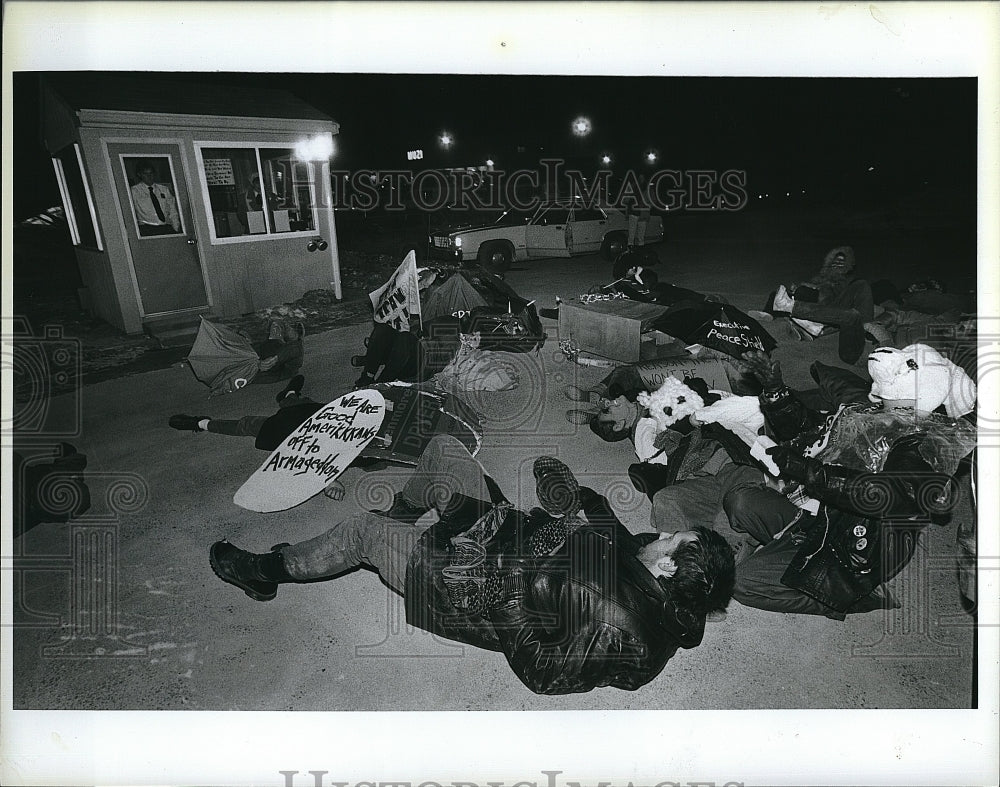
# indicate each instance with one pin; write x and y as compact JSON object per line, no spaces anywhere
{"x":146,"y":213}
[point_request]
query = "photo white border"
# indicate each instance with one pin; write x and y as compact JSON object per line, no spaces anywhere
{"x":697,"y":39}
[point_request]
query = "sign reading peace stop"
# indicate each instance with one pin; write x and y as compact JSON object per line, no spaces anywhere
{"x":315,"y":454}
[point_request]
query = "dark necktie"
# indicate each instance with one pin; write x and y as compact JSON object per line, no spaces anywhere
{"x":156,"y":206}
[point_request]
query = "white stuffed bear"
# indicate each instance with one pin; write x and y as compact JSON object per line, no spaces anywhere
{"x":671,"y":402}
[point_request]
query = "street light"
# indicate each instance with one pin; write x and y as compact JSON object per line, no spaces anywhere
{"x":605,"y":159}
{"x":651,"y":157}
{"x":581,"y":126}
{"x":446,"y":139}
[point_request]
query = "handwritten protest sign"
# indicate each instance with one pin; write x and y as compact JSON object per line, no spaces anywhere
{"x":315,"y":454}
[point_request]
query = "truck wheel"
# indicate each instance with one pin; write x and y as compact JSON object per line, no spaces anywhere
{"x":613,"y":245}
{"x":496,"y":256}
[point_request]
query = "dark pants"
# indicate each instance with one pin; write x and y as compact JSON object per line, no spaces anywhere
{"x":849,"y":310}
{"x":397,"y":351}
{"x":250,"y":425}
{"x":446,"y":468}
{"x":761,"y":513}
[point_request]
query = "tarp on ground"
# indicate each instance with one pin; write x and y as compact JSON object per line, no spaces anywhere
{"x":222,"y":358}
{"x":454,"y":296}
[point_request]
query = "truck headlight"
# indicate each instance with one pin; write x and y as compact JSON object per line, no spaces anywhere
{"x":458,"y":243}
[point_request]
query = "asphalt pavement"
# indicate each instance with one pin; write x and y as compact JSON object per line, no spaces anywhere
{"x":121,"y":611}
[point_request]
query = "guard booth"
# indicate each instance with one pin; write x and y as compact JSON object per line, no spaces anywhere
{"x":185,"y":199}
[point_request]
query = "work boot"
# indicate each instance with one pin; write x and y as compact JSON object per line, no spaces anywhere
{"x":294,"y":387}
{"x":577,"y":394}
{"x":580,"y":417}
{"x":402,"y":510}
{"x":187,"y":423}
{"x":556,"y":487}
{"x":256,"y":575}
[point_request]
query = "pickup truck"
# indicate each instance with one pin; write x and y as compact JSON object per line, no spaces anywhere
{"x":552,"y":230}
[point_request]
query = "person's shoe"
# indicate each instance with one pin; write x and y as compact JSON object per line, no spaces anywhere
{"x":580,"y":417}
{"x":187,"y":423}
{"x":556,"y":487}
{"x":358,"y":361}
{"x":402,"y":510}
{"x":240,"y":568}
{"x":879,"y":334}
{"x":783,"y":302}
{"x":294,"y":387}
{"x":577,"y":394}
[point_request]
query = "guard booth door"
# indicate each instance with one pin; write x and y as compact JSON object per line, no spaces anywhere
{"x":156,"y":212}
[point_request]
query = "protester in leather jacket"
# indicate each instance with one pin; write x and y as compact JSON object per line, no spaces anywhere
{"x":876,"y":474}
{"x":572,"y":599}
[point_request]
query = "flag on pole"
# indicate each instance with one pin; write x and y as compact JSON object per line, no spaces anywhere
{"x":399,"y":298}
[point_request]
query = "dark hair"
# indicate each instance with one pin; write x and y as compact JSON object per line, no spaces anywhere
{"x":606,"y":430}
{"x":706,"y":573}
{"x":145,"y":165}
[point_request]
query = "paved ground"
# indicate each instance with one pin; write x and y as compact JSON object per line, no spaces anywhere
{"x":182,"y":639}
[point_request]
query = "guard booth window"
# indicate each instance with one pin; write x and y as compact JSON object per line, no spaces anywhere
{"x":258,"y":191}
{"x":78,"y":203}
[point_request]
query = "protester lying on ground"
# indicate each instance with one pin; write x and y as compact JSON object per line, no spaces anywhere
{"x":281,"y":354}
{"x":860,"y":484}
{"x":668,"y":452}
{"x":572,"y":598}
{"x":907,"y":315}
{"x":639,"y":283}
{"x":833,"y":298}
{"x":270,"y":431}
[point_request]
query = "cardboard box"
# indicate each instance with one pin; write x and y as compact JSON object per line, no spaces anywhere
{"x":611,"y":329}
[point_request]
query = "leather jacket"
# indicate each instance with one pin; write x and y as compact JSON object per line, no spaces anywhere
{"x":587,"y":615}
{"x":871,"y":516}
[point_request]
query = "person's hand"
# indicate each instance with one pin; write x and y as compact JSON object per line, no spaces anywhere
{"x":266,"y":364}
{"x":764,"y":368}
{"x":335,"y":490}
{"x":791,"y":463}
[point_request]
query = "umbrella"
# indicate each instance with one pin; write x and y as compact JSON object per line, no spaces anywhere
{"x":222,"y":359}
{"x":719,"y":326}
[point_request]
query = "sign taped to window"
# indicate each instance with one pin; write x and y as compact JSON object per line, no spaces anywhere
{"x":219,"y":172}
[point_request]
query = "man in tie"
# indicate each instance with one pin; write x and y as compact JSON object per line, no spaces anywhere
{"x":155,"y":206}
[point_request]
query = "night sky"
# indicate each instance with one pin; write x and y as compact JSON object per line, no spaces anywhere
{"x":795,"y":133}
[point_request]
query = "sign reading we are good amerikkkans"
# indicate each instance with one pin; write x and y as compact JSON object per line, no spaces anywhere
{"x":315,"y":454}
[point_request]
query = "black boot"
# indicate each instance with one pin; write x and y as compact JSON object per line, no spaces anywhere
{"x":402,"y":510}
{"x":294,"y":387}
{"x":256,"y":575}
{"x":187,"y":423}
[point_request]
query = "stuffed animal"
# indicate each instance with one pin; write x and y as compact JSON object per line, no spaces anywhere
{"x":671,"y":402}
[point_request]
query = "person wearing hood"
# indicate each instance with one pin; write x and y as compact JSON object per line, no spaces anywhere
{"x":834,"y":298}
{"x":858,"y":485}
{"x":572,"y":599}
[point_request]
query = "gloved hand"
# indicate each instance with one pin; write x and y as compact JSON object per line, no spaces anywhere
{"x":765,"y":369}
{"x":792,"y":464}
